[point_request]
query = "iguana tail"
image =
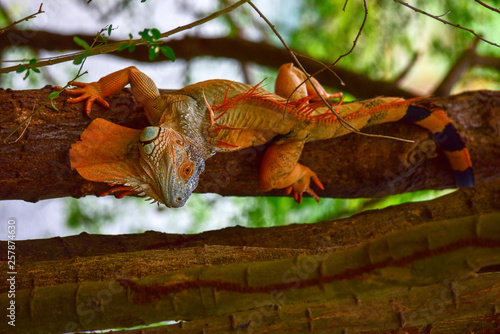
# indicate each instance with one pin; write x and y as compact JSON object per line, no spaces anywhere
{"x":446,"y":136}
{"x":380,"y":110}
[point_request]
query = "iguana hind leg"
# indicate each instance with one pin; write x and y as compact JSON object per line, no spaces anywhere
{"x":288,"y":80}
{"x":280,"y":167}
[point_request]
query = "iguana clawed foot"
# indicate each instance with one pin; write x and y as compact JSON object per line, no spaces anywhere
{"x":91,"y":92}
{"x":120,"y":191}
{"x":302,"y":186}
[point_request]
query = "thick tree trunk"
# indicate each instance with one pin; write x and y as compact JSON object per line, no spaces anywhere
{"x":100,"y":257}
{"x":429,"y":267}
{"x":37,"y":166}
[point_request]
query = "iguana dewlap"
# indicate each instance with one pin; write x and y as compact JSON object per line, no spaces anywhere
{"x":164,"y":160}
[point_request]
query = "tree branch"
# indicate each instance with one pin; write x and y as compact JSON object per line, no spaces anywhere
{"x":489,"y":7}
{"x":31,"y":16}
{"x":468,"y":59}
{"x":111,"y":47}
{"x":352,"y":167}
{"x":242,"y":50}
{"x":438,"y":18}
{"x":463,"y":63}
{"x":331,"y":235}
{"x":383,"y":283}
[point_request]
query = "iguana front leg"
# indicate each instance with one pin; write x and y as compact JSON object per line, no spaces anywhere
{"x":280,"y":167}
{"x":143,"y":88}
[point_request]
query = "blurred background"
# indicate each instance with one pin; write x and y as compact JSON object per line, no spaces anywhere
{"x":397,"y":45}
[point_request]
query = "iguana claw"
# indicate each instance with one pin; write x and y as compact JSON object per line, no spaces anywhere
{"x":120,"y":191}
{"x":88,"y":91}
{"x":302,"y":186}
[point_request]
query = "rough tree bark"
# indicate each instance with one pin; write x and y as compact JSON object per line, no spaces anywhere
{"x":100,"y":257}
{"x":432,"y":267}
{"x":36,"y":166}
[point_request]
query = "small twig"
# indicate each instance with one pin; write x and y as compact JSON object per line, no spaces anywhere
{"x":40,"y":11}
{"x":448,"y":12}
{"x":37,"y":110}
{"x":487,"y":6}
{"x":343,"y":122}
{"x":47,"y":100}
{"x":108,"y":48}
{"x":329,"y":67}
{"x":357,"y":36}
{"x":345,"y":5}
{"x":28,"y":120}
{"x":446,"y":22}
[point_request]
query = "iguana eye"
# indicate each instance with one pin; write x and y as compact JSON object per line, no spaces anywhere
{"x":186,"y":170}
{"x":149,"y":133}
{"x":148,"y":148}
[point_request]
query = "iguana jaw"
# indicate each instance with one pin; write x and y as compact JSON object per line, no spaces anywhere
{"x":107,"y":152}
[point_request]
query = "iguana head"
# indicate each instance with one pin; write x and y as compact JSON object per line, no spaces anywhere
{"x":156,"y":162}
{"x":173,"y":163}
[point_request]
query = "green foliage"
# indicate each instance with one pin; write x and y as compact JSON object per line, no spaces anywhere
{"x":88,"y":217}
{"x":130,"y":46}
{"x":153,"y":39}
{"x":272,"y":211}
{"x":28,"y":68}
{"x":393,"y":34}
{"x":100,"y":37}
{"x":80,"y":42}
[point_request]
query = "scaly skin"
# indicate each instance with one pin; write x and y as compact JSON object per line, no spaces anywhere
{"x":164,"y":160}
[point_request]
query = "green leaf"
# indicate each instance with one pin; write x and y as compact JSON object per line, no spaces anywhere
{"x":156,"y":33}
{"x":21,"y":69}
{"x":81,"y":42}
{"x":145,"y":35}
{"x":130,"y":36}
{"x":33,"y":61}
{"x":131,"y":48}
{"x":123,"y":47}
{"x":27,"y":74}
{"x":110,"y":29}
{"x":153,"y":53}
{"x":54,"y":95}
{"x":78,"y":60}
{"x":168,"y":52}
{"x":36,"y":70}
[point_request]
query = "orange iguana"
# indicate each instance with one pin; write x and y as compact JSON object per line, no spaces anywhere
{"x":164,"y":160}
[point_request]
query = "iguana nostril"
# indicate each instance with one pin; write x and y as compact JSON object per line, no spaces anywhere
{"x":178,"y":199}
